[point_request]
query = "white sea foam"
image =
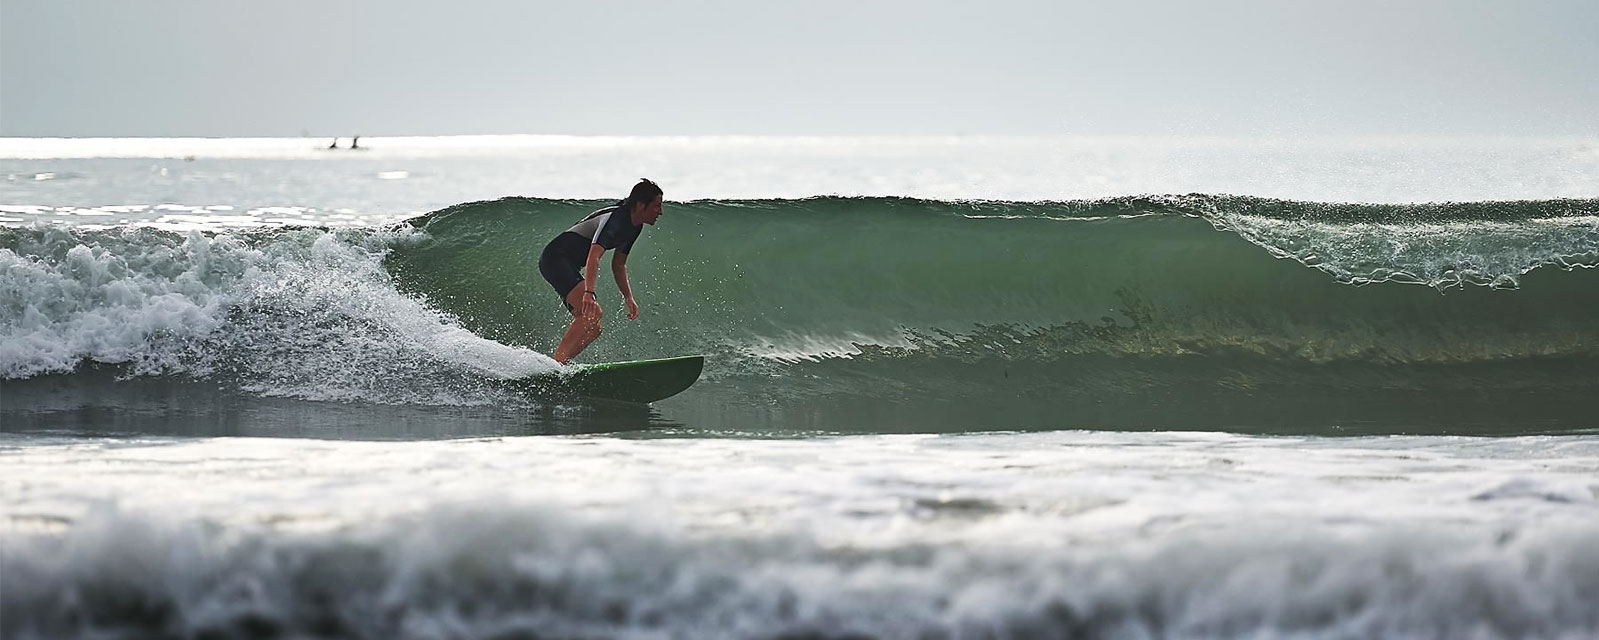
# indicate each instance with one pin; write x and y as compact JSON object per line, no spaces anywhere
{"x":1440,"y":255}
{"x":307,"y":313}
{"x":1098,"y":534}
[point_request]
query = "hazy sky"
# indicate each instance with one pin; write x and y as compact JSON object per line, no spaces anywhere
{"x":402,"y":67}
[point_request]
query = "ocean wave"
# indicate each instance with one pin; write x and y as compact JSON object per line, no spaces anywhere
{"x":1109,"y":313}
{"x":481,"y":570}
{"x":1131,"y":276}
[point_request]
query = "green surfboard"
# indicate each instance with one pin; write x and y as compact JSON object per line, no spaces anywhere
{"x":634,"y":381}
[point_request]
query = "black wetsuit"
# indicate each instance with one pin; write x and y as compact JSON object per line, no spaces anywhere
{"x":564,"y":257}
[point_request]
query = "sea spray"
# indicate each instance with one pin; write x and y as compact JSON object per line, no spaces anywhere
{"x":300,"y":312}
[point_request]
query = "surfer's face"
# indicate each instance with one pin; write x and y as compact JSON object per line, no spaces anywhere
{"x":649,"y":213}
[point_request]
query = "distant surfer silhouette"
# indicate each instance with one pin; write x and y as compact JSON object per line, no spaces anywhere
{"x":355,"y":143}
{"x":335,"y":144}
{"x":571,"y":262}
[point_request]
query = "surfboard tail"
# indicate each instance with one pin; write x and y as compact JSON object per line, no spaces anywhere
{"x":641,"y":381}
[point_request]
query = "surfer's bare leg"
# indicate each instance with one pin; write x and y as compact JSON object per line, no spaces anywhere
{"x":586,"y":314}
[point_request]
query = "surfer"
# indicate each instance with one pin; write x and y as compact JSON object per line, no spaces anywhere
{"x":571,"y":262}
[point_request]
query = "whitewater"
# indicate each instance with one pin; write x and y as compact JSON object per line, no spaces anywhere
{"x":957,"y":387}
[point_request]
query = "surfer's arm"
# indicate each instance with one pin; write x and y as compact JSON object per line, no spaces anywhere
{"x":619,"y":270}
{"x":592,"y":269}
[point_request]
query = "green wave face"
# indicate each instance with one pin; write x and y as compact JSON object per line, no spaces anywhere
{"x":1135,"y":312}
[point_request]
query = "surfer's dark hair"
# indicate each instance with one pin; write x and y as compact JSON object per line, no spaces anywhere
{"x":645,"y":191}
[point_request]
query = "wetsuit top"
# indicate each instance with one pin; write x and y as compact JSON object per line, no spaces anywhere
{"x":610,"y":227}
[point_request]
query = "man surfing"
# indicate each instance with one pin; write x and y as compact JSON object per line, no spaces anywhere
{"x":580,"y":247}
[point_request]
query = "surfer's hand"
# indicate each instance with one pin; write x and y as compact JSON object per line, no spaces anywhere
{"x":632,"y":308}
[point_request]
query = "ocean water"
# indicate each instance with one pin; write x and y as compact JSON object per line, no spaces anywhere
{"x":957,"y":387}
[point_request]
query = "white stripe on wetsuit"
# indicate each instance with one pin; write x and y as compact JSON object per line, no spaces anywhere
{"x":592,"y":226}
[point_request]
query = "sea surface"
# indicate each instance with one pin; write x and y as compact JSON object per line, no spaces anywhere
{"x":956,"y":387}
